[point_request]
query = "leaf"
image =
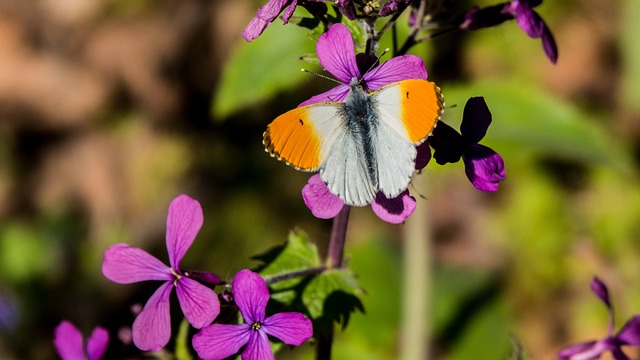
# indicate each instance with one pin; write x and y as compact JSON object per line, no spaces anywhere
{"x":257,"y":71}
{"x":530,"y":118}
{"x":298,"y":254}
{"x":332,"y":296}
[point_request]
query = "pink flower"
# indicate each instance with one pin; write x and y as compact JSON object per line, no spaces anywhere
{"x":125,"y":265}
{"x":69,"y":343}
{"x":251,"y":294}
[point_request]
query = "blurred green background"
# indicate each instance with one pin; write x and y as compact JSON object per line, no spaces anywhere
{"x":111,"y":108}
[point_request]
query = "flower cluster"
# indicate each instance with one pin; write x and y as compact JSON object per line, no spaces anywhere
{"x":152,"y":327}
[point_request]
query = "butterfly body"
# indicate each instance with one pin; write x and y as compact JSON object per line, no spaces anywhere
{"x":364,"y":145}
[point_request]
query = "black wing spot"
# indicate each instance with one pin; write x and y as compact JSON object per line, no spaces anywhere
{"x":407,"y":94}
{"x":301,"y":122}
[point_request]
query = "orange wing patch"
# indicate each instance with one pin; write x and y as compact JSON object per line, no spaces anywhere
{"x":292,"y":138}
{"x":422,"y":105}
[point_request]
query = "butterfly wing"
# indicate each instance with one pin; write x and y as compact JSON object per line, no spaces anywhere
{"x":407,"y":113}
{"x":315,"y":137}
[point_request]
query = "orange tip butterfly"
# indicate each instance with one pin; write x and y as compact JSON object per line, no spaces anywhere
{"x":363,"y":145}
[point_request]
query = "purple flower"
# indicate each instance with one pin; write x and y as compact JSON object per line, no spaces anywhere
{"x":336,"y":54}
{"x":629,"y":335}
{"x":250,"y":292}
{"x":125,"y":264}
{"x":270,"y":11}
{"x":394,"y":6}
{"x":483,"y":166}
{"x":526,"y":18}
{"x":69,"y":344}
{"x":347,"y":8}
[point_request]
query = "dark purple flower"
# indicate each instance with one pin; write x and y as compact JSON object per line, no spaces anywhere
{"x":346,"y":8}
{"x":527,"y":19}
{"x":69,"y":343}
{"x":250,"y":292}
{"x":483,"y":166}
{"x":629,"y":334}
{"x":337,"y":55}
{"x":125,"y":265}
{"x":394,"y":6}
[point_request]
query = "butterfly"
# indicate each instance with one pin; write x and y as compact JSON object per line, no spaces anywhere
{"x":363,"y":145}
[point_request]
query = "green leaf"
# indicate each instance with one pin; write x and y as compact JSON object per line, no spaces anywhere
{"x":257,"y":71}
{"x":299,"y":253}
{"x":332,"y":296}
{"x":530,"y":118}
{"x":182,"y":343}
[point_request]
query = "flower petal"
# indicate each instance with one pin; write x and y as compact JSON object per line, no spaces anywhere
{"x":338,"y":93}
{"x":258,"y":347}
{"x":446,"y":143}
{"x":599,"y":288}
{"x":528,"y":20}
{"x":251,"y":295}
{"x":183,"y":223}
{"x":396,"y":210}
{"x":199,"y":304}
{"x":264,"y":16}
{"x":484,"y":168}
{"x":220,"y":341}
{"x":288,"y":11}
{"x":480,"y":18}
{"x":347,"y":8}
{"x":68,"y":341}
{"x":476,"y":119}
{"x":619,"y":355}
{"x":592,"y":349}
{"x":423,"y":155}
{"x":549,"y":45}
{"x":97,"y":343}
{"x":336,"y":53}
{"x":322,"y":203}
{"x":290,"y":327}
{"x":125,"y":265}
{"x":254,"y":29}
{"x":152,"y":327}
{"x":630,"y":332}
{"x":395,"y":69}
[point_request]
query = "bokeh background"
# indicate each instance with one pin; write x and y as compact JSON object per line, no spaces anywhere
{"x":111,"y":108}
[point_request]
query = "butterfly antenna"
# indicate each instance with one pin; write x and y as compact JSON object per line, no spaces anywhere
{"x":375,"y":63}
{"x":320,"y":75}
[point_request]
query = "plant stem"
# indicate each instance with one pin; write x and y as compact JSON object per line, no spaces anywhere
{"x":415,"y":320}
{"x":337,"y":239}
{"x":335,"y":255}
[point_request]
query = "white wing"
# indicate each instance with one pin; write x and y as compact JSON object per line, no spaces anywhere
{"x":395,"y":152}
{"x":344,"y":168}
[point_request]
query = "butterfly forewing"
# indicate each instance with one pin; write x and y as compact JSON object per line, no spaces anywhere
{"x":300,"y":137}
{"x":411,"y":107}
{"x":407,"y":113}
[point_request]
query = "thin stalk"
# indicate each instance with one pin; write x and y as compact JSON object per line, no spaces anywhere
{"x":294,"y":274}
{"x":335,"y":255}
{"x":335,"y":252}
{"x":415,"y":320}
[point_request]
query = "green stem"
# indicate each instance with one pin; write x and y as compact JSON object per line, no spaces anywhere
{"x":415,"y":320}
